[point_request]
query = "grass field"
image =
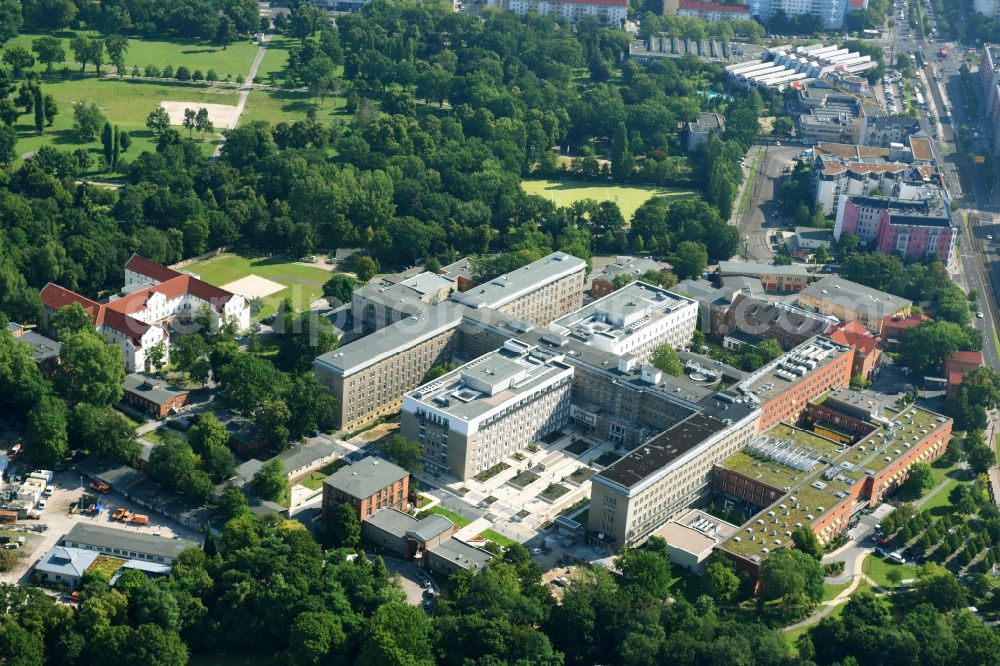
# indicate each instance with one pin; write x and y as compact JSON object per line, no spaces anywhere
{"x":497,"y":538}
{"x":878,"y":568}
{"x":456,"y":518}
{"x":303,"y":284}
{"x":274,"y":106}
{"x":125,"y":103}
{"x":234,"y":60}
{"x":315,"y":479}
{"x":628,"y":197}
{"x":275,"y":58}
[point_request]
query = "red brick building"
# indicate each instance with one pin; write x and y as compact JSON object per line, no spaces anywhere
{"x":368,"y":485}
{"x":866,"y":346}
{"x":893,"y":328}
{"x":154,"y":396}
{"x":784,"y":386}
{"x":958,"y":364}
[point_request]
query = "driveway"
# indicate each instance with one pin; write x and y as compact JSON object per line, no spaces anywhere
{"x":58,"y":519}
{"x":408,"y":578}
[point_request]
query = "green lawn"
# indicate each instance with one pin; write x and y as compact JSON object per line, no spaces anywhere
{"x":274,"y":106}
{"x":303,"y":284}
{"x":877,"y":569}
{"x":456,"y":518}
{"x":234,"y":60}
{"x":941,"y":500}
{"x":315,"y":479}
{"x":628,"y":197}
{"x":497,"y":538}
{"x":123,"y":102}
{"x":831,"y":591}
{"x":275,"y":58}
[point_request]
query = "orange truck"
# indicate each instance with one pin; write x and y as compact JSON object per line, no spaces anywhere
{"x":100,"y":486}
{"x":140,"y":519}
{"x":117,"y":515}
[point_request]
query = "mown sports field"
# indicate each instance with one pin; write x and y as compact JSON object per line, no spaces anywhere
{"x":628,"y":197}
{"x":302,"y":284}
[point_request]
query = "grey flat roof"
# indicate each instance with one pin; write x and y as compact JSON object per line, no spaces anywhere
{"x":468,"y":557}
{"x":626,"y":303}
{"x":42,"y":347}
{"x":756,"y":268}
{"x":836,"y":289}
{"x":109,"y":537}
{"x":430,"y":527}
{"x":503,"y":289}
{"x":386,"y":342}
{"x":152,"y":388}
{"x":67,"y":561}
{"x":494,"y":379}
{"x":653,"y":456}
{"x":301,"y":455}
{"x":392,"y":521}
{"x":365,"y":477}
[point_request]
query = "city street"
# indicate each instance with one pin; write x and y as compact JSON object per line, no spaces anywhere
{"x":758,"y":221}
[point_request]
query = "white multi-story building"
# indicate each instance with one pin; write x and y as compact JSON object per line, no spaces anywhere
{"x":138,"y":317}
{"x":634,"y":320}
{"x":609,"y":12}
{"x":988,"y":8}
{"x":472,"y":418}
{"x":830,"y":11}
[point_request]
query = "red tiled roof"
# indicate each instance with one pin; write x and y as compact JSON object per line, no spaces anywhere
{"x":55,"y":297}
{"x":904,"y":323}
{"x":970,"y":357}
{"x":150,"y":268}
{"x":713,"y":7}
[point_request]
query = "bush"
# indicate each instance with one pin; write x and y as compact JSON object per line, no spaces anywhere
{"x":183,"y":74}
{"x":196,"y":75}
{"x":168,"y":72}
{"x":833,"y":568}
{"x":211,"y":75}
{"x":152,"y":71}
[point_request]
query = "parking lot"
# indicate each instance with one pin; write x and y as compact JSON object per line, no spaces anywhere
{"x":67,"y":489}
{"x":411,"y":578}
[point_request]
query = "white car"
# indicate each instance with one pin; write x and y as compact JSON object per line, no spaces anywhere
{"x":47,"y":492}
{"x":979,"y":315}
{"x":42,"y":504}
{"x":897,"y":557}
{"x":536,"y":551}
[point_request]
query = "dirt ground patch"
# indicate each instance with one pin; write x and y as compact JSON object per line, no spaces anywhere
{"x":223,"y":116}
{"x":254,"y":286}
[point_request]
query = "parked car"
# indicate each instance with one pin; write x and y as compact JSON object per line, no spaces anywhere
{"x":47,"y":492}
{"x":536,"y":551}
{"x":42,"y":504}
{"x":897,"y":557}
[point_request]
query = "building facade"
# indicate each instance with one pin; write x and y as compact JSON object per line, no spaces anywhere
{"x":850,"y":301}
{"x":712,"y":11}
{"x":153,"y":298}
{"x":775,"y":279}
{"x":782,"y":388}
{"x":368,"y":485}
{"x":634,"y":320}
{"x":474,"y":417}
{"x":608,"y":12}
{"x":368,"y":376}
{"x":635,"y":496}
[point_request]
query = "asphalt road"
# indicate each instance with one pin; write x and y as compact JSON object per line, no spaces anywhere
{"x":758,"y":221}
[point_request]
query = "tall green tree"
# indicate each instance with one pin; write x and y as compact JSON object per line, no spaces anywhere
{"x":90,"y":370}
{"x":46,"y":433}
{"x":49,"y":51}
{"x":406,"y":453}
{"x":666,"y":359}
{"x":622,"y":160}
{"x":270,"y":481}
{"x":39,"y":109}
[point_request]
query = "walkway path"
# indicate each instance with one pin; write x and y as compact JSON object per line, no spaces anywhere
{"x":244,"y":92}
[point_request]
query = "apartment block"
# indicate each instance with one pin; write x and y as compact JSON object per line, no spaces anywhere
{"x":798,"y":478}
{"x":831,"y":12}
{"x":635,"y":496}
{"x":634,"y":320}
{"x":712,"y":11}
{"x":608,"y":12}
{"x":369,"y":375}
{"x":783,"y":387}
{"x":472,"y":418}
{"x":369,"y":485}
